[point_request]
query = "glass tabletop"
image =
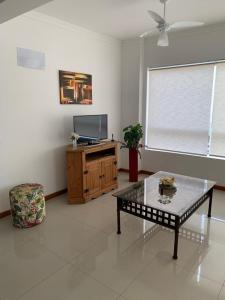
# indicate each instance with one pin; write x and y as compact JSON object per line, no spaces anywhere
{"x":186,"y":191}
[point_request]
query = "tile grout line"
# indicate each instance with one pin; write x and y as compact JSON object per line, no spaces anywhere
{"x":120,"y":294}
{"x":100,"y":282}
{"x":145,"y":267}
{"x":90,"y":275}
{"x":85,"y":223}
{"x":203,"y":276}
{"x":217,"y":298}
{"x":41,"y":281}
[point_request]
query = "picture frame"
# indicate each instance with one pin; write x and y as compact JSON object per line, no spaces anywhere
{"x":75,"y":88}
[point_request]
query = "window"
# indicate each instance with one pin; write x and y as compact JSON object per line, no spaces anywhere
{"x":186,"y":109}
{"x":217,"y":146}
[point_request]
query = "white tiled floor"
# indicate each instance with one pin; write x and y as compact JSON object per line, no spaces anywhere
{"x":76,"y":254}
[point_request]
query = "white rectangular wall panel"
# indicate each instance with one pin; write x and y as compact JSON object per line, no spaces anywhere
{"x":28,"y":58}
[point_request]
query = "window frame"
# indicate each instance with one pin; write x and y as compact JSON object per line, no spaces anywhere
{"x":211,"y":62}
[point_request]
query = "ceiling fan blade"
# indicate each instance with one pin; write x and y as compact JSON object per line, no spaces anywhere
{"x":145,"y":34}
{"x":157,"y":18}
{"x":185,"y":24}
{"x":163,"y":40}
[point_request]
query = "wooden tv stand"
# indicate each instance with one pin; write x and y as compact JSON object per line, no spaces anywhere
{"x":91,"y":171}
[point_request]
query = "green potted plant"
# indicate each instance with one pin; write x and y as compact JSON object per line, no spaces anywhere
{"x":132,"y":136}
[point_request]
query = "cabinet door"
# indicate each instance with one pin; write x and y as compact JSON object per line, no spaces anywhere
{"x":92,"y":178}
{"x":109,"y":173}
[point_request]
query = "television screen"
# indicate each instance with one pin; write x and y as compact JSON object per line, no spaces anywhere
{"x":91,"y":126}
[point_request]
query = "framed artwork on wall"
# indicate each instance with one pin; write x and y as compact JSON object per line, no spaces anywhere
{"x":75,"y":88}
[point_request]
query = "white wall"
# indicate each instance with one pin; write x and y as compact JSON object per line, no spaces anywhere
{"x":34,"y":127}
{"x":197,"y":45}
{"x":130,"y":87}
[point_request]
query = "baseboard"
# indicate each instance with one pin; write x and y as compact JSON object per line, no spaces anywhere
{"x":145,"y":172}
{"x":139,"y":172}
{"x":217,"y":187}
{"x":5,"y":213}
{"x":47,"y":197}
{"x":220,"y":187}
{"x":56,"y":194}
{"x":123,"y":170}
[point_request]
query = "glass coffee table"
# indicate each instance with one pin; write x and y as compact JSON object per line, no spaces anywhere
{"x":168,"y":208}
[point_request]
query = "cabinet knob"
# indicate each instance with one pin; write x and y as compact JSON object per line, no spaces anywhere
{"x":86,"y":190}
{"x":115,"y":178}
{"x":115,"y":162}
{"x":86,"y":171}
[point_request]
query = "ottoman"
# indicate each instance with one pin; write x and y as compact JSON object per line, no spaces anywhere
{"x":27,"y":203}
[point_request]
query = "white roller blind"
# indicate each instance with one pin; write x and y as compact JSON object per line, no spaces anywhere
{"x":218,"y":117}
{"x":178,"y":108}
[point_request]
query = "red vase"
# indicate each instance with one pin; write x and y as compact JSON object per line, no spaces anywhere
{"x":133,"y":165}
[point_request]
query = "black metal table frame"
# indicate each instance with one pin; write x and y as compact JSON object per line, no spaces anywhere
{"x":161,"y":217}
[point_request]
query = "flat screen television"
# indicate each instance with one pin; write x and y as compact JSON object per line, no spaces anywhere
{"x":91,"y":127}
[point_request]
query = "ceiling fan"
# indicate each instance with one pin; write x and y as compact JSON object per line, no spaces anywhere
{"x":163,"y":27}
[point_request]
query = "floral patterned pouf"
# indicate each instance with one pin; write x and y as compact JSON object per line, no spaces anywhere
{"x":27,"y":203}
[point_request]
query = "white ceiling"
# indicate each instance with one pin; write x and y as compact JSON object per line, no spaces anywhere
{"x":12,"y":8}
{"x":128,"y":18}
